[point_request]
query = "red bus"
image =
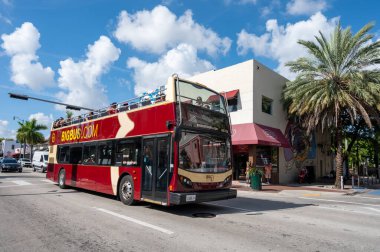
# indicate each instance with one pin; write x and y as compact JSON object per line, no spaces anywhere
{"x":170,"y":147}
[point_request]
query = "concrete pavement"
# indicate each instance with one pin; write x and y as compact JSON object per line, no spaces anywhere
{"x":302,"y":189}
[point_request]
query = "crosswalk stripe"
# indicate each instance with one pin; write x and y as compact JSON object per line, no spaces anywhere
{"x":48,"y":181}
{"x":20,"y":182}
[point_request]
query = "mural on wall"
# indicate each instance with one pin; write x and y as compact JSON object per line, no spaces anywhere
{"x":303,"y":147}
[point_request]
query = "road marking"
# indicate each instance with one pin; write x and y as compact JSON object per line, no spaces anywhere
{"x":311,"y":194}
{"x":236,"y":208}
{"x":374,"y":209}
{"x":368,"y":197}
{"x":346,"y":210}
{"x":48,"y":181}
{"x":142,"y":223}
{"x":340,"y":201}
{"x":20,"y":182}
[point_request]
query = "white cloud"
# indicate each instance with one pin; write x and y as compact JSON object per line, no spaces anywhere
{"x":280,"y":42}
{"x":80,"y":80}
{"x":5,"y":132}
{"x":43,"y":119}
{"x":159,"y":30}
{"x":305,"y":7}
{"x":182,"y":60}
{"x":21,"y":46}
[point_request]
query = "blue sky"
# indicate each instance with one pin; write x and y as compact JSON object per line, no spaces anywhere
{"x":94,"y":52}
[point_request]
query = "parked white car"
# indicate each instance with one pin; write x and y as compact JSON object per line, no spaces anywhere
{"x":25,"y":162}
{"x":40,"y":161}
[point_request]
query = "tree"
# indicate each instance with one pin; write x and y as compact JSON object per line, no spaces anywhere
{"x":338,"y":77}
{"x":69,"y":114}
{"x":29,"y":133}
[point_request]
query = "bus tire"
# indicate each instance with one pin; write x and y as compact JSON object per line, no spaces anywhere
{"x":62,"y":179}
{"x":126,"y":190}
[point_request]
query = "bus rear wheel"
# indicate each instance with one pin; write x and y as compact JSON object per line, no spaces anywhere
{"x":126,"y":190}
{"x":61,"y":179}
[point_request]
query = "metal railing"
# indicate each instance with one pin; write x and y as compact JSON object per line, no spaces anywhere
{"x":145,"y":99}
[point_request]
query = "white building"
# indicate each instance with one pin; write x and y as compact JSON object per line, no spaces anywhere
{"x":261,"y":132}
{"x":9,"y":147}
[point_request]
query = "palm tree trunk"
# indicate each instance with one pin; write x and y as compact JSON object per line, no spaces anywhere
{"x":23,"y":150}
{"x":339,"y":156}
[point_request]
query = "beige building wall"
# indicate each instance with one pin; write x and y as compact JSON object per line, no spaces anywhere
{"x":239,"y":76}
{"x":254,"y":80}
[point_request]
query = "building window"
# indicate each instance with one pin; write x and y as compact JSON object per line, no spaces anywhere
{"x":13,"y":147}
{"x":232,"y":104}
{"x":266,"y":105}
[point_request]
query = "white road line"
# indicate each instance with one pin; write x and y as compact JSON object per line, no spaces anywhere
{"x":10,"y":186}
{"x":368,"y":197}
{"x":20,"y":182}
{"x":340,"y":201}
{"x":142,"y":223}
{"x":346,"y":210}
{"x":374,"y":209}
{"x":48,"y":181}
{"x":236,"y":208}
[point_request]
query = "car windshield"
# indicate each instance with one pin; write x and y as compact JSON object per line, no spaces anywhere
{"x":10,"y":161}
{"x":204,"y":153}
{"x":25,"y":159}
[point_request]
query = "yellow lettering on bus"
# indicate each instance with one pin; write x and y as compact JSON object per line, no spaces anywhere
{"x":63,"y":136}
{"x":95,"y":132}
{"x":78,"y":133}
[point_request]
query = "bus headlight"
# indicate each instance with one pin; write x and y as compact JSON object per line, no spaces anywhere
{"x":227,"y":181}
{"x":186,"y":181}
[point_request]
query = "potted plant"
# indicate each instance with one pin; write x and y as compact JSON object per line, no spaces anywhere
{"x":255,"y":175}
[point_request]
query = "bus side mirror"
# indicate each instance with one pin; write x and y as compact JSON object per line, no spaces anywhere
{"x":177,"y":134}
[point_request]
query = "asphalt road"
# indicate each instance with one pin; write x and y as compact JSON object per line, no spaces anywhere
{"x":36,"y":215}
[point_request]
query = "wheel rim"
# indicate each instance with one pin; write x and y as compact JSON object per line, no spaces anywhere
{"x":126,"y":190}
{"x":61,"y":177}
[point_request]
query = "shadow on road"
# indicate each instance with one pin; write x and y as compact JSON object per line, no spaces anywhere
{"x":249,"y":206}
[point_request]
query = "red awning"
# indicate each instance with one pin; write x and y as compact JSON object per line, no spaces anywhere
{"x":230,"y":94}
{"x":253,"y":133}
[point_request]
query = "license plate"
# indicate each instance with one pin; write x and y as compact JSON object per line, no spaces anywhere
{"x":190,"y":198}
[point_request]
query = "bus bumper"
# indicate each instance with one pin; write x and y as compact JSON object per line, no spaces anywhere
{"x":180,"y":198}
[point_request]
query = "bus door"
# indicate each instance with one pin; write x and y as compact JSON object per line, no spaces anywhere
{"x":155,"y":168}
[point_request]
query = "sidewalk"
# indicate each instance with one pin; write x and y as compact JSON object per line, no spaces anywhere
{"x":313,"y":188}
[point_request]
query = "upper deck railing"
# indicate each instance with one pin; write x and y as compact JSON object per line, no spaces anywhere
{"x":145,"y":99}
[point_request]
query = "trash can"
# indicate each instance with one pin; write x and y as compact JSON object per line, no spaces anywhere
{"x":256,"y":182}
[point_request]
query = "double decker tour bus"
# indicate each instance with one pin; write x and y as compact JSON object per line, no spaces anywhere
{"x":170,"y":147}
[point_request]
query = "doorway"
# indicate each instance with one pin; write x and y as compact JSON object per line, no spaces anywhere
{"x":155,"y":168}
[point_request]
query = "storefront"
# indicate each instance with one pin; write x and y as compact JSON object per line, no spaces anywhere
{"x":258,"y":144}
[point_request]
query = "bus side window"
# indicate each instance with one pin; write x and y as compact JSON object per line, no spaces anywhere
{"x":127,"y":153}
{"x":64,"y":154}
{"x":89,"y":154}
{"x":105,"y":153}
{"x":76,"y":155}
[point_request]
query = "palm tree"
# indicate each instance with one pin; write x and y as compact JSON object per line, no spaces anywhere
{"x":337,"y":77}
{"x":29,"y":133}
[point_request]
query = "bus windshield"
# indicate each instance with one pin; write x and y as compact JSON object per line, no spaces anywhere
{"x":204,"y":153}
{"x":197,"y":95}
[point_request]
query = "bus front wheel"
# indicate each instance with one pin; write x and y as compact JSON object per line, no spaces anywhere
{"x":61,"y":179}
{"x":126,"y":190}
